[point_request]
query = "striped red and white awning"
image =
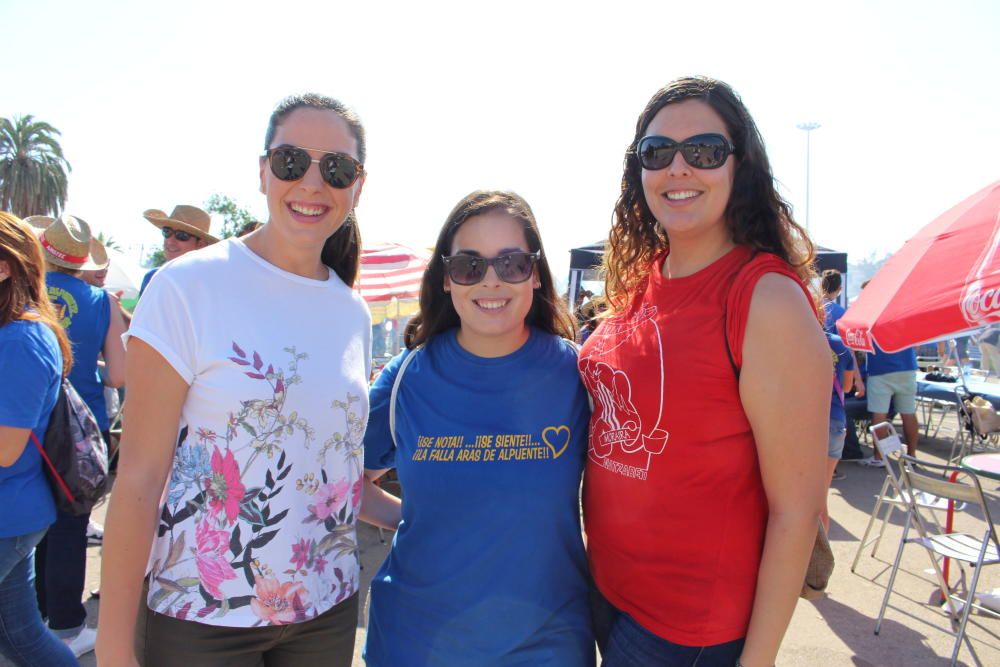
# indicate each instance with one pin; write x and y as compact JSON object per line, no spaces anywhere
{"x":390,"y":270}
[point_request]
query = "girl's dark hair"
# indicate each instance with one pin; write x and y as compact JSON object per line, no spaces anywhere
{"x":756,"y":215}
{"x":342,"y":250}
{"x":437,"y":313}
{"x":23,"y":295}
{"x":831,"y":281}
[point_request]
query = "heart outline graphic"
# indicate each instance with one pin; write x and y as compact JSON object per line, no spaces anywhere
{"x":555,"y":430}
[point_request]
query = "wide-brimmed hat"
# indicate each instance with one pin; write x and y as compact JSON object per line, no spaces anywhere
{"x":190,"y":219}
{"x":99,"y":254}
{"x":67,"y":242}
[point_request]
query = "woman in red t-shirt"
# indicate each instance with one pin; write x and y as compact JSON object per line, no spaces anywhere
{"x":711,"y":381}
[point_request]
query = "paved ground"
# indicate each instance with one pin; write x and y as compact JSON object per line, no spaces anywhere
{"x":833,"y":631}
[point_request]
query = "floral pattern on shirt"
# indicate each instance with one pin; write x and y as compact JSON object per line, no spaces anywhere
{"x":223,"y":510}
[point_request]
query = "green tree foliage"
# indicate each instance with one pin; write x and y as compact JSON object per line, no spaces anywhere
{"x":862,"y":270}
{"x":33,"y":171}
{"x":155,"y":258}
{"x":234,"y":216}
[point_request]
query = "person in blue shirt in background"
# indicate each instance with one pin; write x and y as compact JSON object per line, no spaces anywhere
{"x":843,"y":378}
{"x":892,"y":381}
{"x":95,"y":329}
{"x":487,"y":430}
{"x":35,"y":354}
{"x":184,"y":230}
{"x":832,"y":284}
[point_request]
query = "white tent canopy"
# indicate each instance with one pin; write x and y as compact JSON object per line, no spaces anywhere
{"x":124,"y":275}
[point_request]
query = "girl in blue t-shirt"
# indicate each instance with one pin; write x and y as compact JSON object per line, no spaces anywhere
{"x":34,"y":356}
{"x":487,"y":430}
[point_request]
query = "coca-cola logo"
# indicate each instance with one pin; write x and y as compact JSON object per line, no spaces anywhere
{"x":858,"y":339}
{"x":979,"y":304}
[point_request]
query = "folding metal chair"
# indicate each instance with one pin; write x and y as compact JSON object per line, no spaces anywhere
{"x":892,"y":496}
{"x":921,"y":477}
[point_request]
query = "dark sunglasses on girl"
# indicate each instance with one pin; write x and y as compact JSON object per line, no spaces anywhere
{"x":702,"y":151}
{"x":290,"y":163}
{"x":177,"y":234}
{"x":511,"y":267}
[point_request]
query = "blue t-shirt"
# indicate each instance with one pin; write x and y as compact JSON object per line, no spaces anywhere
{"x":84,"y":311}
{"x":30,"y":374}
{"x":843,"y":361}
{"x":881,"y":362}
{"x":488,"y":565}
{"x":833,"y":312}
{"x":146,"y":278}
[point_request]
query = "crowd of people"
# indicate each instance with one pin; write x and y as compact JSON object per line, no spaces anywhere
{"x":253,"y":443}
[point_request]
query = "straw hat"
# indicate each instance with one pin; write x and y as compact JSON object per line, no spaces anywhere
{"x":190,"y":219}
{"x":67,"y":242}
{"x":99,"y":254}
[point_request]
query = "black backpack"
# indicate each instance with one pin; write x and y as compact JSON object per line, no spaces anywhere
{"x":75,"y":454}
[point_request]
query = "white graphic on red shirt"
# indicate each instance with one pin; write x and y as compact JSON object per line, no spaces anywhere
{"x":619,"y":441}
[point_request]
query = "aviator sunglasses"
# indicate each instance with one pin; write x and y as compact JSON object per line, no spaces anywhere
{"x":177,"y":234}
{"x":511,"y":267}
{"x":290,"y":163}
{"x":702,"y":151}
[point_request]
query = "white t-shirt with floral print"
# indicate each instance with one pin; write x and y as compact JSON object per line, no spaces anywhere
{"x":257,"y":525}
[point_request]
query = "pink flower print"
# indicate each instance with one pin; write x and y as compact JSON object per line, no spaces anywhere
{"x":356,"y":495}
{"x":319,"y":564}
{"x":205,"y":434}
{"x":213,"y":566}
{"x":300,"y":553}
{"x":225,"y":490}
{"x":330,"y":498}
{"x":279,"y":603}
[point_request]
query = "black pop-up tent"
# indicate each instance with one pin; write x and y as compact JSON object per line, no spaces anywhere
{"x":583,"y":263}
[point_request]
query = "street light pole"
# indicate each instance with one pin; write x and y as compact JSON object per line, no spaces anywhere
{"x":808,"y":127}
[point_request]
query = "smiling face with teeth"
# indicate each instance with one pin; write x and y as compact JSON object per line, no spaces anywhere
{"x":304,"y":213}
{"x":688,"y":202}
{"x":492,"y":312}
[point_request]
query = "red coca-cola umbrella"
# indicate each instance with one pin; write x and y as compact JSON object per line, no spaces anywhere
{"x":944,"y":280}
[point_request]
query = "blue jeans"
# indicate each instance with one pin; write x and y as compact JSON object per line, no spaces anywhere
{"x":24,"y":640}
{"x":625,"y":643}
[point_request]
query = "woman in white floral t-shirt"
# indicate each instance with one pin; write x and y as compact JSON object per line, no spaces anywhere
{"x":240,"y":479}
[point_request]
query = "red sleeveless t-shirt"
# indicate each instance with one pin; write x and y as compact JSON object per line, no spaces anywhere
{"x":674,"y":506}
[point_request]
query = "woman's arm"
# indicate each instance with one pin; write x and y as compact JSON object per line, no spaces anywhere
{"x":114,"y":350}
{"x":156,"y":395}
{"x":785,"y":389}
{"x":12,"y":443}
{"x":379,"y":507}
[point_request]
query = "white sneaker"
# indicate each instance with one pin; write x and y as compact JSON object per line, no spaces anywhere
{"x":872,"y":462}
{"x":83,"y":642}
{"x":95,"y":534}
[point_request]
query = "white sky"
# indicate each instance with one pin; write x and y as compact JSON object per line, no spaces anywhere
{"x":168,"y":104}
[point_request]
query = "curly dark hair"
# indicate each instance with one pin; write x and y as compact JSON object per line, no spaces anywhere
{"x":342,"y":249}
{"x":437,"y":313}
{"x":756,"y":215}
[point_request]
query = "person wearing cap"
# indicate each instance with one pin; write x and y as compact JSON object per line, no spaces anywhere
{"x":184,"y":230}
{"x":95,"y":329}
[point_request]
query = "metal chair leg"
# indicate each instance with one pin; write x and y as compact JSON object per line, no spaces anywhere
{"x":892,"y":575}
{"x":871,"y":521}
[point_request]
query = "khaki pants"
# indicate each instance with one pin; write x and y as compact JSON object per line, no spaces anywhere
{"x":327,"y":641}
{"x":991,"y":358}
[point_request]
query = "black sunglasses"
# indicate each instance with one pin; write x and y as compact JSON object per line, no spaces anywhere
{"x":290,"y":163}
{"x":177,"y":234}
{"x":511,"y":267}
{"x":702,"y":151}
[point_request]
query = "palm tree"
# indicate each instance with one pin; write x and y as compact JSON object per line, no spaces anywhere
{"x":108,"y":241}
{"x":32,"y":168}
